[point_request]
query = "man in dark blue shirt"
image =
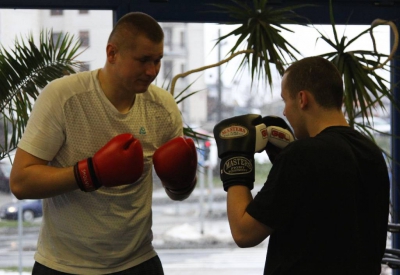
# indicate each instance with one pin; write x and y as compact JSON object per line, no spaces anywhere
{"x":325,"y":203}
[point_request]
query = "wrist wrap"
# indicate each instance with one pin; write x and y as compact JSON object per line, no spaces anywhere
{"x":85,"y":176}
{"x":237,"y":169}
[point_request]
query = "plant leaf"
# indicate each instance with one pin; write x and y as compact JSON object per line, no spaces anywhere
{"x":24,"y":71}
{"x":260,"y":31}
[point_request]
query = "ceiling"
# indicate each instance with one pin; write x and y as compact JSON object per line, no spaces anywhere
{"x":346,"y":12}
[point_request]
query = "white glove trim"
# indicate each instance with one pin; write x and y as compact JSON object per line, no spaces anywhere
{"x":261,"y":137}
{"x":279,"y":136}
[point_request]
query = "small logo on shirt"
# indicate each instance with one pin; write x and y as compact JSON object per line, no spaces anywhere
{"x":142,"y":131}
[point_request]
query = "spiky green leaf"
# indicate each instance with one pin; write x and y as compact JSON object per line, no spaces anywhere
{"x":24,"y":70}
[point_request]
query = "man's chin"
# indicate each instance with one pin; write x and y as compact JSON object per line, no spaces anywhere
{"x":142,"y":89}
{"x":137,"y":91}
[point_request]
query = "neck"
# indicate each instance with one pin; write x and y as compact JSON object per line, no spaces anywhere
{"x":323,"y":120}
{"x":118,"y":97}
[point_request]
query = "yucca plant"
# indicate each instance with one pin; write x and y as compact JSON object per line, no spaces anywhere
{"x":364,"y":86}
{"x":260,"y":33}
{"x":24,"y":70}
{"x":180,"y":97}
{"x":260,"y":30}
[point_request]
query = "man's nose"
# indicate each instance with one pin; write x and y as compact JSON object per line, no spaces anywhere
{"x":151,"y":69}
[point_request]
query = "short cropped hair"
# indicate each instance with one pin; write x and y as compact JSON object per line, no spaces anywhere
{"x":318,"y":76}
{"x":133,"y":24}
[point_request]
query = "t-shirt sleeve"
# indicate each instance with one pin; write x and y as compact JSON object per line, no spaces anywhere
{"x":43,"y":134}
{"x":276,"y":202}
{"x":175,"y":116}
{"x":176,"y":119}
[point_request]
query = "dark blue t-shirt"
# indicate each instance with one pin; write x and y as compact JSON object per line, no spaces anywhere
{"x":327,"y":199}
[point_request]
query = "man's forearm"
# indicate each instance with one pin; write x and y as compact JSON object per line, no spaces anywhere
{"x":32,"y":178}
{"x":246,"y":231}
{"x":238,"y":199}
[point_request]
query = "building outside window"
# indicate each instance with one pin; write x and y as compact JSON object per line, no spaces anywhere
{"x":182,"y":39}
{"x":85,"y":66}
{"x":84,"y":38}
{"x":168,"y":38}
{"x":56,"y":36}
{"x":167,"y":68}
{"x":56,"y":12}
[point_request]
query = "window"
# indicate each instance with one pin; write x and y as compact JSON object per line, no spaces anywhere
{"x":177,"y":62}
{"x":84,"y":67}
{"x":168,"y":38}
{"x":182,"y":39}
{"x":56,"y":12}
{"x":167,"y":69}
{"x":84,"y":38}
{"x":56,"y":36}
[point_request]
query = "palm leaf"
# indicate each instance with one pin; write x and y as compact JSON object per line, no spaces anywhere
{"x":260,"y":30}
{"x":195,"y":135}
{"x":187,"y":130}
{"x":24,"y":71}
{"x":364,"y":88}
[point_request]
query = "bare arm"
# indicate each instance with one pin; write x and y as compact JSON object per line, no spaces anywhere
{"x":246,"y":231}
{"x":32,"y":178}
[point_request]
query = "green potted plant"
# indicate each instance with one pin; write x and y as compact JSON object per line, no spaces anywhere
{"x":260,"y":35}
{"x":364,"y":86}
{"x":25,"y":70}
{"x":259,"y":40}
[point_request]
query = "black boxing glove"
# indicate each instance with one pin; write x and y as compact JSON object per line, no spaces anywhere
{"x":238,"y":138}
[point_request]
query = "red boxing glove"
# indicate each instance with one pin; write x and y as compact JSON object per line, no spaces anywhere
{"x":118,"y":162}
{"x":175,"y":163}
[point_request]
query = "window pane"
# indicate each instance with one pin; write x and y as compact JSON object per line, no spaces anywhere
{"x":218,"y":92}
{"x":56,"y":12}
{"x":84,"y":38}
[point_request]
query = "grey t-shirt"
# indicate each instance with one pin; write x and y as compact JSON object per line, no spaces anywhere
{"x":107,"y":230}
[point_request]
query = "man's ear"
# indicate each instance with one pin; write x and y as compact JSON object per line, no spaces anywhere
{"x":111,"y":51}
{"x":303,"y":98}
